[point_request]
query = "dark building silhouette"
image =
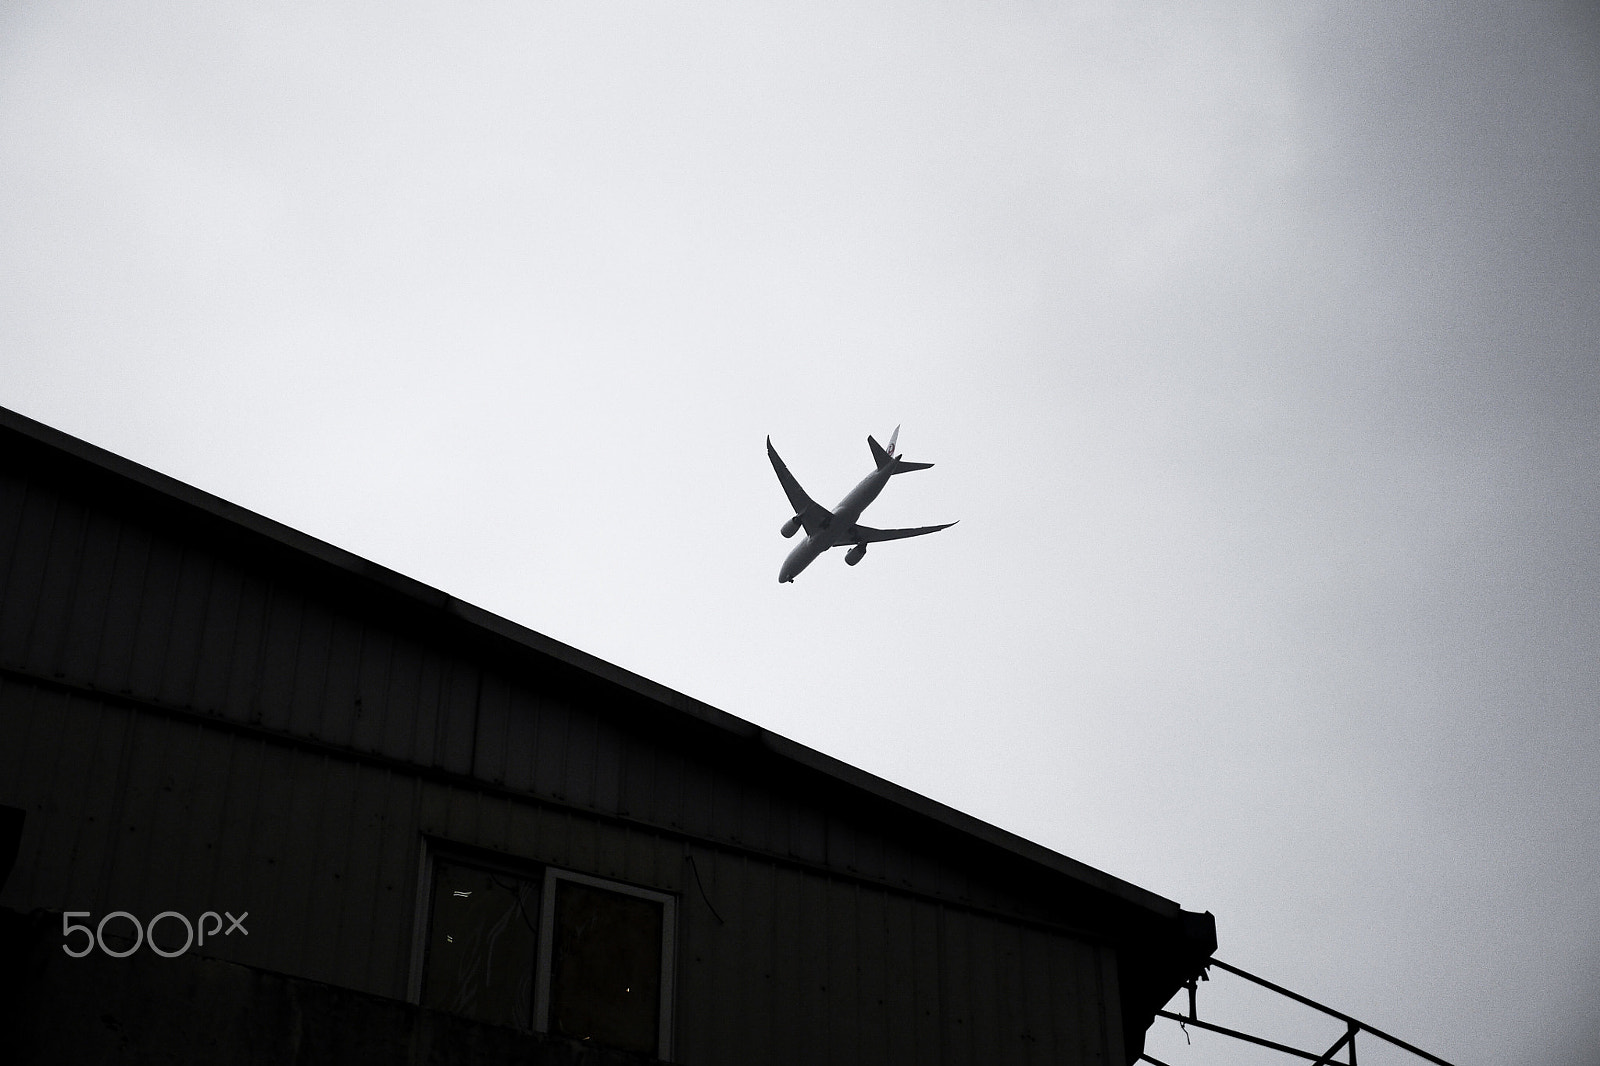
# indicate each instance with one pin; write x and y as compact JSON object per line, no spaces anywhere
{"x":265,"y":801}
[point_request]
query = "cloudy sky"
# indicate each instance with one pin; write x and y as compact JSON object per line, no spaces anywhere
{"x":1257,"y":346}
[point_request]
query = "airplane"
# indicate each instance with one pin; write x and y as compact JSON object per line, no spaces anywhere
{"x":830,"y":529}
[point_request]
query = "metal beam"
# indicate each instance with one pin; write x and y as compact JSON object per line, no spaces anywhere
{"x":1285,"y":1048}
{"x":1355,"y":1023}
{"x":1349,"y":1037}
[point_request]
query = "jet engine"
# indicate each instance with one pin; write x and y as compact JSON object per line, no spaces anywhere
{"x":791,"y":526}
{"x":853,"y":556}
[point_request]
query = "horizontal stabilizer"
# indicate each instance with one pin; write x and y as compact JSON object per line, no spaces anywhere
{"x":901,"y":466}
{"x":879,"y":455}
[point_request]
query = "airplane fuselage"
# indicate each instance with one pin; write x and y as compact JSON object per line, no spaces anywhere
{"x":835,"y":532}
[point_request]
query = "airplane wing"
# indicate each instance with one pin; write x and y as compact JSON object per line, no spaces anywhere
{"x":868,"y":535}
{"x":813,"y":516}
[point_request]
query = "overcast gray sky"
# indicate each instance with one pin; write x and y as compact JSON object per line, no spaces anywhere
{"x":1258,"y":347}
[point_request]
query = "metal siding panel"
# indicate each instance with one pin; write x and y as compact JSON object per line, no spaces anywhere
{"x":495,"y":824}
{"x":16,"y":723}
{"x":80,"y":651}
{"x":185,"y":626}
{"x":1109,"y":1014}
{"x":403,"y":732}
{"x":43,"y":860}
{"x":404,"y":867}
{"x":723,"y":794}
{"x":611,"y":851}
{"x":461,"y":817}
{"x":908,"y":1017}
{"x":489,"y":757}
{"x":1038,"y":1022}
{"x":157,"y":592}
{"x":1077,"y":1008}
{"x":309,"y":670}
{"x":563,"y":847}
{"x":666,"y":804}
{"x":607,"y":766}
{"x":1008,"y":990}
{"x":58,"y":584}
{"x":387,"y":877}
{"x":843,"y":841}
{"x":247,"y":658}
{"x":694,"y":790}
{"x":753,"y":824}
{"x":956,"y":988}
{"x":152,"y":871}
{"x":844,"y":996}
{"x":896,"y":863}
{"x":339,"y":901}
{"x":25,"y":576}
{"x":551,"y":773}
{"x":521,"y":833}
{"x":433,"y":809}
{"x":97,"y":796}
{"x":811,"y":945}
{"x":215,"y":653}
{"x":458,"y":712}
{"x":310,"y":897}
{"x":298,"y":905}
{"x":213,"y":821}
{"x":273,"y":692}
{"x":877,"y":1016}
{"x":583,"y":835}
{"x":13,"y":511}
{"x":581,"y":756}
{"x":521,"y":738}
{"x":992,"y":1023}
{"x":134,"y":808}
{"x":648,"y":860}
{"x":373,"y":683}
{"x":339,"y":699}
{"x":870,"y":860}
{"x":753,"y":917}
{"x":792,"y":1039}
{"x":707,"y":1011}
{"x":242,"y":878}
{"x":928,"y":973}
{"x":808,"y":834}
{"x":640,"y":792}
{"x":430,"y":709}
{"x":282,"y":863}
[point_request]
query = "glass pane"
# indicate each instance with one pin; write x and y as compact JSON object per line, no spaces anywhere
{"x":606,"y":967}
{"x":481,"y":945}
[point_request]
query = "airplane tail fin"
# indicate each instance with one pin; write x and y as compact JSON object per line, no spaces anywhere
{"x":885,"y":456}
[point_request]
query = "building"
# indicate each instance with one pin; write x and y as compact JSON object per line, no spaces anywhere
{"x":270,"y":802}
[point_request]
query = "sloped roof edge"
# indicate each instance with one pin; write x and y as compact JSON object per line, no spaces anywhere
{"x":478,"y":618}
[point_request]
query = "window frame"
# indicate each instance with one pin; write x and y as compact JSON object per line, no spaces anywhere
{"x":546,"y":947}
{"x":431,"y":851}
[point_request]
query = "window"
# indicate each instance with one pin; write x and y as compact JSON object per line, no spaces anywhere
{"x":552,"y":950}
{"x":604,"y":963}
{"x":481,"y":945}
